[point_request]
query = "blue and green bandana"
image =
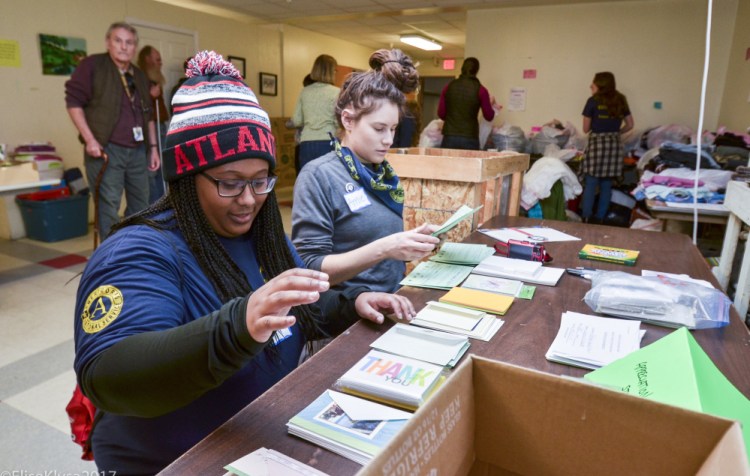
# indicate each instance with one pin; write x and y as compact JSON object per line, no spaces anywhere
{"x":381,"y":182}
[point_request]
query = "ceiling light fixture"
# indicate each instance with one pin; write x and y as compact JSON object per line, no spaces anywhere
{"x":421,"y":42}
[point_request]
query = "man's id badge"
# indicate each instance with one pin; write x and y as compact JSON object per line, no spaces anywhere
{"x":138,"y":134}
{"x":357,"y":200}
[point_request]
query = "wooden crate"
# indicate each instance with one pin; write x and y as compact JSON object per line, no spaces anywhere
{"x":438,"y":181}
{"x":284,"y":152}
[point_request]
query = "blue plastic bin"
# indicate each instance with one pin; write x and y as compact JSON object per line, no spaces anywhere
{"x":56,"y":219}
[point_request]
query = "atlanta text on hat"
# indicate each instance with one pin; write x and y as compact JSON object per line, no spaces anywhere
{"x":219,"y":146}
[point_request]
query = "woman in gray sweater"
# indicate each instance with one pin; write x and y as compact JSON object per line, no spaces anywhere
{"x":348,"y":205}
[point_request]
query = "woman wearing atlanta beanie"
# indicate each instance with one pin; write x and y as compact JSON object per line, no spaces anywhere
{"x":197,"y":305}
{"x":348,"y":205}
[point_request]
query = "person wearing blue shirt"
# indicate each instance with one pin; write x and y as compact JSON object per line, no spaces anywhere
{"x":195,"y":306}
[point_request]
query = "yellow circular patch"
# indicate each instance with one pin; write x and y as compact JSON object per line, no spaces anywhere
{"x":102,"y":307}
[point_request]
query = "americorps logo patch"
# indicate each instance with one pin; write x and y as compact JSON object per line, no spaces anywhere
{"x":102,"y":307}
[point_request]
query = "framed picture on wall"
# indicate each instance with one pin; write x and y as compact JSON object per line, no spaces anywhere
{"x":267,"y":83}
{"x":238,"y":63}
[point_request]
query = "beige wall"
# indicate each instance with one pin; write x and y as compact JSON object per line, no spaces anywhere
{"x":735,"y":107}
{"x":654,"y":48}
{"x":300,"y":50}
{"x":33,"y":104}
{"x":566,"y":44}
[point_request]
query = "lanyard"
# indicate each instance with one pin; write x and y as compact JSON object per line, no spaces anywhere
{"x":127,"y":88}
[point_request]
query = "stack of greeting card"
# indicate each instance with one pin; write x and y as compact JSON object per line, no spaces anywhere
{"x":458,"y":320}
{"x":352,"y":427}
{"x":392,"y":379}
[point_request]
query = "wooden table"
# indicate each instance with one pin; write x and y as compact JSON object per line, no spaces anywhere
{"x":530,"y":327}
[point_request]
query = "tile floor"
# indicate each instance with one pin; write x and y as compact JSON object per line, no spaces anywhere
{"x":38,"y":283}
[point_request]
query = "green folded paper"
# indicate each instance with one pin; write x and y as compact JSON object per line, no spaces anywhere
{"x":458,"y":216}
{"x":676,"y":370}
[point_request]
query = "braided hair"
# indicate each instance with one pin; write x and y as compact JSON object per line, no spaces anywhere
{"x":228,"y":280}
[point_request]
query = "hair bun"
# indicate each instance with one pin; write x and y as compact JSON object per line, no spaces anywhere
{"x":210,"y":62}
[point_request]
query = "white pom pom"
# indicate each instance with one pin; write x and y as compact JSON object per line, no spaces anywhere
{"x":210,"y":62}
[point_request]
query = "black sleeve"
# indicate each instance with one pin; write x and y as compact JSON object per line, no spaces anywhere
{"x":337,"y":309}
{"x":153,"y":373}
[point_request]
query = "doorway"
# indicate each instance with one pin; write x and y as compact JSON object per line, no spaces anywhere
{"x":175,"y":46}
{"x":430,"y":89}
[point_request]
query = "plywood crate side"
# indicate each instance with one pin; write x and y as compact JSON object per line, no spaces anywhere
{"x":285,"y":166}
{"x":410,"y":218}
{"x":464,"y":169}
{"x":412,"y":191}
{"x":449,"y":196}
{"x":518,"y":163}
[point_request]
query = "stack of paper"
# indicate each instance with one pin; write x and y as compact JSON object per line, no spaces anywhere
{"x":462,"y":253}
{"x":526,"y":271}
{"x":352,"y":427}
{"x":436,"y":347}
{"x":592,"y":342}
{"x":458,"y":320}
{"x":479,"y":300}
{"x":434,"y":275}
{"x":392,"y":379}
{"x":524,"y":234}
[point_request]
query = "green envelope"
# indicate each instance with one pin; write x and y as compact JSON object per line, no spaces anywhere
{"x":676,"y":370}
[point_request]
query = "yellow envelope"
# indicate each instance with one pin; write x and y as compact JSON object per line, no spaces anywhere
{"x":481,"y":300}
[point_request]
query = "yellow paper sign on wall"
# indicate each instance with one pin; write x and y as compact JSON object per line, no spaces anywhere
{"x":10,"y":53}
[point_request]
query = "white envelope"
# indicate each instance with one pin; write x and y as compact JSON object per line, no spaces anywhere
{"x":265,"y":462}
{"x":359,"y":409}
{"x":432,"y":346}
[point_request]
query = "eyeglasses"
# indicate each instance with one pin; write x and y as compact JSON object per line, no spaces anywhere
{"x":235,"y":187}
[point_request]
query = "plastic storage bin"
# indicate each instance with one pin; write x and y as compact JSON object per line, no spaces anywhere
{"x":54,"y":219}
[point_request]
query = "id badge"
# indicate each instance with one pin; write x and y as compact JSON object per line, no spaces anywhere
{"x":281,"y":335}
{"x":138,"y":134}
{"x":357,"y":200}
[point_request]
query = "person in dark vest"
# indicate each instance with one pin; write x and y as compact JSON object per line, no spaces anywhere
{"x":460,"y":102}
{"x":108,"y":100}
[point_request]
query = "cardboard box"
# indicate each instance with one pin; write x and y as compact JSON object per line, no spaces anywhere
{"x":491,"y":418}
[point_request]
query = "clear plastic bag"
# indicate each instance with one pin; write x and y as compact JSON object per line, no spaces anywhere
{"x":552,"y":133}
{"x":659,"y":300}
{"x":432,"y":135}
{"x":507,"y":137}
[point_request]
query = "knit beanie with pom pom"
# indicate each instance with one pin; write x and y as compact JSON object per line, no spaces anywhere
{"x":216,"y":120}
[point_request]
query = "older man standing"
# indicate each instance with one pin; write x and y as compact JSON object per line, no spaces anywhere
{"x":109,"y":103}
